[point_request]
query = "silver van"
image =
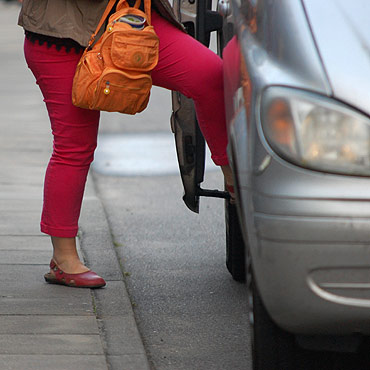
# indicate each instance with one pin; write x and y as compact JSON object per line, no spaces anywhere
{"x":297,"y":93}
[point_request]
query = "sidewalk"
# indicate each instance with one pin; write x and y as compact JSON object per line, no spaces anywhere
{"x":46,"y":326}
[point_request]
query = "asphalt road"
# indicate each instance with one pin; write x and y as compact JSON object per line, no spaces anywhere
{"x":190,"y":312}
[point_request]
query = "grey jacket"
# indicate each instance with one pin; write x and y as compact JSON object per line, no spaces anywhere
{"x":74,"y":19}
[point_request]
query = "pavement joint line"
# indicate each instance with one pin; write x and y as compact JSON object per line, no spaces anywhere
{"x":88,"y":314}
{"x":25,"y":235}
{"x":24,"y":264}
{"x":53,"y":334}
{"x":56,"y":354}
{"x":23,"y":250}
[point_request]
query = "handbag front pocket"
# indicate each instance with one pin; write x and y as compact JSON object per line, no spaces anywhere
{"x":120,"y":91}
{"x":135,"y":50}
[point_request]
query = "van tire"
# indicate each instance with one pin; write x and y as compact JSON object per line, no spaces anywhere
{"x":235,"y":249}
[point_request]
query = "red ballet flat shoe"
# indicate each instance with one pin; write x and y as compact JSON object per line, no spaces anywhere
{"x":88,"y":279}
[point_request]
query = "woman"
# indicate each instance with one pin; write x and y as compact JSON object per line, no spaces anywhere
{"x":56,"y":33}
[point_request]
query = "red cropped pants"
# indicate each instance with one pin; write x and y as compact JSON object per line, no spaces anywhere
{"x":184,"y":65}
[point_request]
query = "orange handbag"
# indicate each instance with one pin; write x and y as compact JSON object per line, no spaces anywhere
{"x":114,"y":73}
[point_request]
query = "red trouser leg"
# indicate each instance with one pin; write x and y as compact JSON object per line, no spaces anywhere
{"x":187,"y":66}
{"x":75,"y":137}
{"x":184,"y":65}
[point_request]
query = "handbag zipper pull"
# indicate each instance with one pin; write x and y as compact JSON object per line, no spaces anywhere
{"x":107,"y":88}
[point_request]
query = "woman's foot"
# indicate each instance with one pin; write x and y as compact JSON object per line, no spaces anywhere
{"x":71,"y":265}
{"x":66,"y":267}
{"x":87,"y":279}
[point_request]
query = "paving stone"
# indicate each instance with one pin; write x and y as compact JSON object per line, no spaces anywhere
{"x":10,"y":142}
{"x":25,"y":257}
{"x":23,"y":273}
{"x":122,"y":336}
{"x":28,"y":242}
{"x":44,"y":344}
{"x":55,"y":362}
{"x":38,"y":288}
{"x":113,"y":300}
{"x":44,"y":306}
{"x":27,"y":161}
{"x":32,"y":175}
{"x":20,"y":192}
{"x":20,"y":223}
{"x":12,"y":205}
{"x":47,"y":324}
{"x":24,"y":291}
{"x":128,"y":362}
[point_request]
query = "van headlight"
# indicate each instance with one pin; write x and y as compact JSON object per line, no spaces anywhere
{"x":316,"y":132}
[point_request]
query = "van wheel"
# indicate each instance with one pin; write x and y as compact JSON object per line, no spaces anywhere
{"x":235,"y":250}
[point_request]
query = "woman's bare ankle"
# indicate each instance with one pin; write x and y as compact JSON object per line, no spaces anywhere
{"x":228,"y":175}
{"x":66,"y":256}
{"x":229,"y":181}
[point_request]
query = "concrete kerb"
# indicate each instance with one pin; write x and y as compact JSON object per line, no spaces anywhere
{"x":121,"y":339}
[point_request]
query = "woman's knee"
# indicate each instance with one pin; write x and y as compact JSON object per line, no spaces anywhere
{"x":75,"y":137}
{"x":75,"y":147}
{"x":207,"y":82}
{"x":207,"y":79}
{"x":74,"y":153}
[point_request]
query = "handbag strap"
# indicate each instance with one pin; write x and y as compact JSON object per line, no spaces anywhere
{"x":101,"y":22}
{"x":121,"y":3}
{"x":148,"y":10}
